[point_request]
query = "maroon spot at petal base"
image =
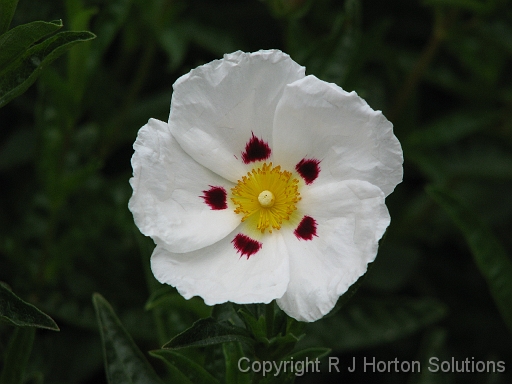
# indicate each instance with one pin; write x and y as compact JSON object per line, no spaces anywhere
{"x":306,"y":229}
{"x":255,"y":150}
{"x":245,"y":245}
{"x":308,"y":169}
{"x":215,"y":197}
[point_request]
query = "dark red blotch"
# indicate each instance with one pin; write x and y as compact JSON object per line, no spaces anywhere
{"x":215,"y":197}
{"x":308,"y":169}
{"x":245,"y":245}
{"x":306,"y":229}
{"x":255,"y":150}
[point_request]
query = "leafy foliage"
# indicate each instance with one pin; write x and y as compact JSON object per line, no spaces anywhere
{"x":21,"y":62}
{"x":124,"y":362}
{"x":438,"y":69}
{"x":17,"y":312}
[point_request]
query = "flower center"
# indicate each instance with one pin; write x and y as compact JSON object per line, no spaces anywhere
{"x":267,"y":195}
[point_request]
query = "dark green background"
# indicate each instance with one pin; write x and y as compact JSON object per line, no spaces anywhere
{"x":440,"y":70}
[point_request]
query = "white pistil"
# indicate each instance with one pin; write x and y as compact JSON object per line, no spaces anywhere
{"x":266,"y":199}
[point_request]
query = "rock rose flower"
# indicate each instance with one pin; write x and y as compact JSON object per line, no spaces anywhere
{"x":265,"y":184}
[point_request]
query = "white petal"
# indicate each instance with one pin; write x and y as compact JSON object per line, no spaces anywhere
{"x":320,"y":120}
{"x":218,"y":273}
{"x":216,"y":107}
{"x":351,"y":218}
{"x":167,"y":188}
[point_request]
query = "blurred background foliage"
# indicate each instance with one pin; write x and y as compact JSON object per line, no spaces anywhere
{"x":440,"y":70}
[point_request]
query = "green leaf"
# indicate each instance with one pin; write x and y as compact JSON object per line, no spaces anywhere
{"x":124,"y":362}
{"x":22,"y":314}
{"x":488,"y":253}
{"x":193,"y":372}
{"x":23,"y":72}
{"x":233,"y":352}
{"x":15,"y":42}
{"x":16,"y":356}
{"x":7,"y":9}
{"x":372,"y":322}
{"x":208,"y":332}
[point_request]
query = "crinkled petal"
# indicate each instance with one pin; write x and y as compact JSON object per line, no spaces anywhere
{"x":216,"y":107}
{"x":351,"y":217}
{"x":167,"y":188}
{"x":218,"y":273}
{"x":319,"y":120}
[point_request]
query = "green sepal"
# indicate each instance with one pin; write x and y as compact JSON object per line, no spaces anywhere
{"x":15,"y":311}
{"x":191,"y":372}
{"x":256,"y":325}
{"x":124,"y":362}
{"x":277,"y":347}
{"x":275,"y":337}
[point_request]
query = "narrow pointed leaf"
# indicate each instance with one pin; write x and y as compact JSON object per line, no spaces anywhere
{"x":488,"y":253}
{"x":15,"y":42}
{"x":192,"y":371}
{"x":16,"y":356}
{"x":208,"y":332}
{"x":23,"y":72}
{"x":124,"y":362}
{"x":17,"y":312}
{"x":7,"y":9}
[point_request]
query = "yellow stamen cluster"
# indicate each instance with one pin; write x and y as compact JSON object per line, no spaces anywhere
{"x":268,"y":193}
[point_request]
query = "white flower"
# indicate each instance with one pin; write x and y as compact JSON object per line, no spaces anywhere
{"x":264,"y":184}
